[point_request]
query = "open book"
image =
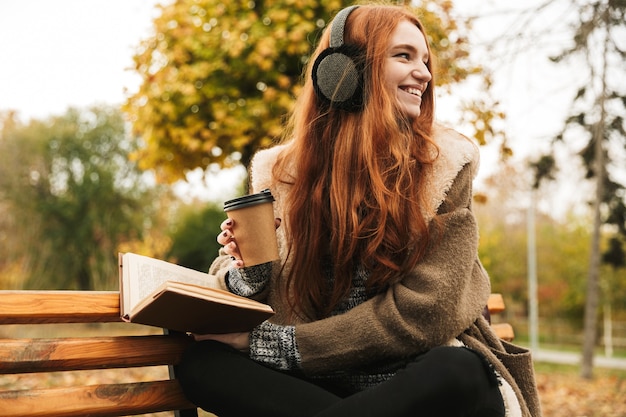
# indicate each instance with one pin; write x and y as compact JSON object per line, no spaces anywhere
{"x":163,"y":294}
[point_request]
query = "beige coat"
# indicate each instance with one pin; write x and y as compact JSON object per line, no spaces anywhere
{"x":439,"y":302}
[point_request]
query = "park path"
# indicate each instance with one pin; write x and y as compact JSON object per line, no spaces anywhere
{"x":574,"y":358}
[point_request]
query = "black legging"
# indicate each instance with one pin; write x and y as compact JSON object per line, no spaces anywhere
{"x":444,"y":382}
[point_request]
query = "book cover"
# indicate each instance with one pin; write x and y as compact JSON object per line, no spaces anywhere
{"x":159,"y":293}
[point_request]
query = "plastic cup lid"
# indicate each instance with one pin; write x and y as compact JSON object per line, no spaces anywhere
{"x":264,"y":196}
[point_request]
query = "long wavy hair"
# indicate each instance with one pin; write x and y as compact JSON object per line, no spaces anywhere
{"x":358,"y":180}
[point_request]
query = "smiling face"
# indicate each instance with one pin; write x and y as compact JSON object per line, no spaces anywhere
{"x":406,"y":70}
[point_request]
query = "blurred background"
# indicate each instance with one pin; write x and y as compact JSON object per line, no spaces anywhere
{"x":124,"y":125}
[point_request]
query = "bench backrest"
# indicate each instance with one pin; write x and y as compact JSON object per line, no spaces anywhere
{"x":27,"y":355}
{"x":495,"y":307}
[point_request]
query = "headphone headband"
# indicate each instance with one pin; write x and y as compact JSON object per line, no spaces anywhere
{"x":338,"y":27}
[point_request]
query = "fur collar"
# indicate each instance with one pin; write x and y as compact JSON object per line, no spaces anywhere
{"x":455,"y":151}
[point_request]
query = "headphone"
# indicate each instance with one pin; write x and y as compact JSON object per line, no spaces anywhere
{"x":339,"y":70}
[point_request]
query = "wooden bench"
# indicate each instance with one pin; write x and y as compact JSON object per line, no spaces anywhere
{"x":495,"y":306}
{"x":104,"y":351}
{"x":22,"y":356}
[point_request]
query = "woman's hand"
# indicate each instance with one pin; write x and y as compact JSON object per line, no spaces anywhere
{"x":239,"y":341}
{"x":226,"y":238}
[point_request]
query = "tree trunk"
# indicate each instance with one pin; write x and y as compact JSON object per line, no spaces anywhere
{"x":608,"y":330}
{"x":533,"y":305}
{"x":84,"y":277}
{"x":593,"y":279}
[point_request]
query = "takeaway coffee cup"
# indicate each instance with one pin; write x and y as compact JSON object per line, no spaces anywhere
{"x":254,"y":228}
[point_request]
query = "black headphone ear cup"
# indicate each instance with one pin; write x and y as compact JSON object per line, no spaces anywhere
{"x":338,"y":76}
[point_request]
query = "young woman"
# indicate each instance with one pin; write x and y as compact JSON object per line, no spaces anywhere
{"x":379,"y":292}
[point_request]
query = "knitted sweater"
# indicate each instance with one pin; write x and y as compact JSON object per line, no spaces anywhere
{"x":438,"y":303}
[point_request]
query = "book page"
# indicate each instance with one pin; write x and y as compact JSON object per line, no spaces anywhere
{"x":146,"y":274}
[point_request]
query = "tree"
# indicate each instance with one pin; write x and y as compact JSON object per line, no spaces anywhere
{"x":219,"y":77}
{"x":542,"y":170}
{"x":13,"y":239}
{"x":193,"y":235}
{"x":597,"y":115}
{"x":73,"y":195}
{"x":562,"y":251}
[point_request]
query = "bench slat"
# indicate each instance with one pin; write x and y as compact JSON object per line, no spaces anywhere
{"x":19,"y":307}
{"x":495,"y":303}
{"x":23,"y":307}
{"x":47,"y":355}
{"x":33,"y":307}
{"x":95,"y":400}
{"x":504,"y":331}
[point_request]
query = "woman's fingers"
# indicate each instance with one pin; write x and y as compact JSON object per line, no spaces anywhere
{"x":227,"y":240}
{"x":227,"y":224}
{"x":225,"y":237}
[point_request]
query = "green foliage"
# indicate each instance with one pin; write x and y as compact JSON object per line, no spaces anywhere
{"x":563,"y":255}
{"x":544,"y":169}
{"x":562,"y":248}
{"x":194,"y":236}
{"x":614,"y":255}
{"x":219,"y":77}
{"x":613,"y":272}
{"x":73,"y":196}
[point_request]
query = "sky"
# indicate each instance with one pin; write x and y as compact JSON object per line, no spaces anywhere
{"x":61,"y":53}
{"x":64,"y":53}
{"x":535,"y":93}
{"x":78,"y":53}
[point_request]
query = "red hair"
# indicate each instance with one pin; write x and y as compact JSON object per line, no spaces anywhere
{"x":357,"y":180}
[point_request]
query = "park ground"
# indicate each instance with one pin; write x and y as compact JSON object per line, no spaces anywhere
{"x":563,"y":393}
